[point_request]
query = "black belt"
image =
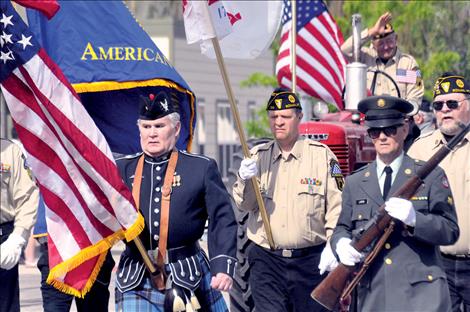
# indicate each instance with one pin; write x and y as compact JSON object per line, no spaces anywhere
{"x":296,"y":253}
{"x":183,"y":252}
{"x":455,"y":257}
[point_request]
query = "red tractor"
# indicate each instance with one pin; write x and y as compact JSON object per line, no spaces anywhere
{"x":347,"y":139}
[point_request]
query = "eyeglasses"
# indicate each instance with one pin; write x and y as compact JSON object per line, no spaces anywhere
{"x":451,"y":104}
{"x":374,"y":133}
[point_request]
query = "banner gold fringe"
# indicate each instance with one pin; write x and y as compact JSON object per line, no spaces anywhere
{"x":101,"y":86}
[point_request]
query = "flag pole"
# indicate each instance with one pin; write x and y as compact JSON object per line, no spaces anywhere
{"x":241,"y":134}
{"x":293,"y":49}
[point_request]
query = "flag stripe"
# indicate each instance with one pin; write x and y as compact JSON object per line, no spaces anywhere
{"x":320,"y":65}
{"x":88,"y":154}
{"x":40,"y":124}
{"x":85,"y":197}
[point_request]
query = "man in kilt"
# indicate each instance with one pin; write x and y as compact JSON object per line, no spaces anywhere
{"x":195,"y":194}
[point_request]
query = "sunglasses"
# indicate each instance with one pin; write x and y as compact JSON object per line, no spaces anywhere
{"x":374,"y":133}
{"x":451,"y":104}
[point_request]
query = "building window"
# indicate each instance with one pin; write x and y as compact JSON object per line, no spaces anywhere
{"x":227,"y":138}
{"x":200,"y":127}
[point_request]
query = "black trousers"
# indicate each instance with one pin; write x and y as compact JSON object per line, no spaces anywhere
{"x":9,"y":279}
{"x":458,"y":278}
{"x":280,"y":284}
{"x":97,"y":299}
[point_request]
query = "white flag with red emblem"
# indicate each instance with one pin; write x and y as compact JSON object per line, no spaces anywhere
{"x":245,"y":29}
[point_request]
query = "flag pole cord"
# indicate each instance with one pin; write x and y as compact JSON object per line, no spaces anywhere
{"x":293,"y":36}
{"x":241,"y":134}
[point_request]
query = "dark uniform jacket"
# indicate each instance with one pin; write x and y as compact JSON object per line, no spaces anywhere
{"x":197,"y":194}
{"x":406,"y":275}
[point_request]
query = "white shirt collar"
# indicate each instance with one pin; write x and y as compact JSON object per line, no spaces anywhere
{"x":395,"y":165}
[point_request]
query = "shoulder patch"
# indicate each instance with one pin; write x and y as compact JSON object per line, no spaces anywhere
{"x":194,"y":155}
{"x":335,"y":172}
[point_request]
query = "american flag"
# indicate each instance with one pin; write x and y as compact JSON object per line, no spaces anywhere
{"x":320,"y":62}
{"x":407,"y":76}
{"x":89,"y":207}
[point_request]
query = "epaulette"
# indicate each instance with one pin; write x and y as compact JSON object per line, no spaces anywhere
{"x":262,"y":147}
{"x":315,"y":143}
{"x":419,"y":162}
{"x":194,"y":155}
{"x":130,"y":156}
{"x":425,"y":135}
{"x":360,"y":169}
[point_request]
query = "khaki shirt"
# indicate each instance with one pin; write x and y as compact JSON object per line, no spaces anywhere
{"x":412,"y":92}
{"x":19,"y":194}
{"x":457,"y":168}
{"x":302,"y":198}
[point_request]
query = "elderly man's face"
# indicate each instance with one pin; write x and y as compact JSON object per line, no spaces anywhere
{"x":386,"y":47}
{"x":159,"y":136}
{"x":448,"y":119}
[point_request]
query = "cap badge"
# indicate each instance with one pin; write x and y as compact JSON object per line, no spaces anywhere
{"x":164,"y":105}
{"x":459,"y":83}
{"x":291,"y":98}
{"x":445,"y":86}
{"x":381,"y":103}
{"x":278,"y":103}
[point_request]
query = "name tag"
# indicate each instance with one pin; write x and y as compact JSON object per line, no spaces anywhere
{"x":361,"y":201}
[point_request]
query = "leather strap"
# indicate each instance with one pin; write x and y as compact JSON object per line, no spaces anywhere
{"x":138,"y":181}
{"x":165,"y":208}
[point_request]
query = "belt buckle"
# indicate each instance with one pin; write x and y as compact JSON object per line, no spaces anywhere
{"x":287,"y":253}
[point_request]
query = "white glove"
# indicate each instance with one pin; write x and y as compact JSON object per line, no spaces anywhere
{"x":401,"y":209}
{"x":247,"y":169}
{"x":347,"y":254}
{"x":10,"y":251}
{"x":328,"y":260}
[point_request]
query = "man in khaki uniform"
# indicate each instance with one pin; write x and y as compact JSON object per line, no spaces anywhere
{"x":19,"y":201}
{"x":452,"y":107}
{"x":300,"y":181}
{"x":384,"y":55}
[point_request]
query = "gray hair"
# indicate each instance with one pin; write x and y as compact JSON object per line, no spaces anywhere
{"x":174,"y":119}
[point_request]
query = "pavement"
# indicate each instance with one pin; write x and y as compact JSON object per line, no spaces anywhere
{"x":30,"y":283}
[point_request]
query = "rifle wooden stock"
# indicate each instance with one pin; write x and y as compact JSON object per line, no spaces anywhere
{"x":329,"y":291}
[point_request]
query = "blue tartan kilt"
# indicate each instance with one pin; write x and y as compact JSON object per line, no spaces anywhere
{"x":145,"y":298}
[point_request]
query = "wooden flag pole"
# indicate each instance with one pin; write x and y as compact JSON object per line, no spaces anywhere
{"x":241,"y":134}
{"x":293,"y":49}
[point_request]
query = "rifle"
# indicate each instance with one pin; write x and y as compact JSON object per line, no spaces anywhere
{"x":333,"y":288}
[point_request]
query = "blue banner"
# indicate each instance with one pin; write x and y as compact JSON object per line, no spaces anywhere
{"x":110,"y":61}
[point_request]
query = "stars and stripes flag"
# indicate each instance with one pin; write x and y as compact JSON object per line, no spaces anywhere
{"x":407,"y":76}
{"x":89,"y":207}
{"x":320,"y":65}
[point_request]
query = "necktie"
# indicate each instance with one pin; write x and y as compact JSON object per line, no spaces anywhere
{"x":388,"y":181}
